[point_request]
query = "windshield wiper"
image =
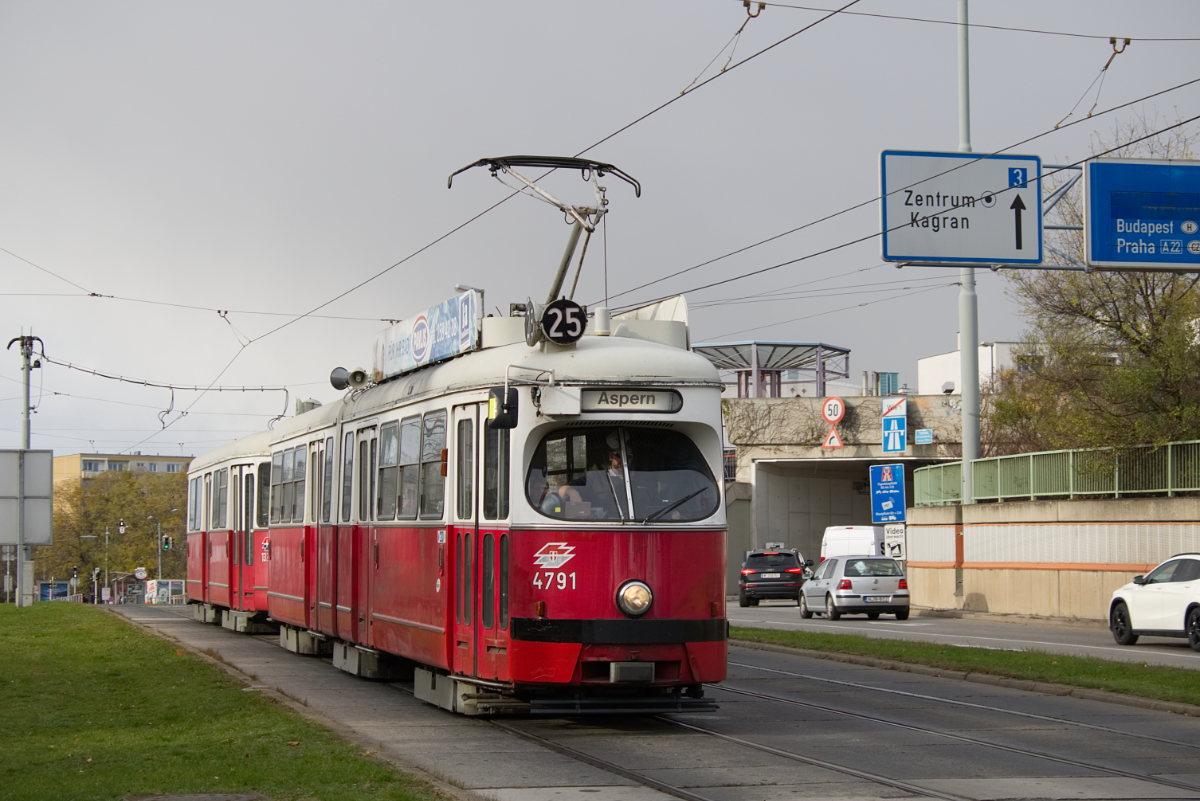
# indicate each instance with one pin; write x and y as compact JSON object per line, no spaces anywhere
{"x":673,"y":506}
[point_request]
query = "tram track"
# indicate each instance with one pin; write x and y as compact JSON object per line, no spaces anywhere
{"x":1076,"y":763}
{"x":846,"y":770}
{"x":688,"y":795}
{"x":876,"y":778}
{"x":718,"y":749}
{"x":966,"y":704}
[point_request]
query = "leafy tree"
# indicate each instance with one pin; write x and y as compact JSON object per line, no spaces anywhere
{"x":1110,"y":358}
{"x":83,"y":510}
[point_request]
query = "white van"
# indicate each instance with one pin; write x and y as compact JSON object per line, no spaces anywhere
{"x":852,"y":541}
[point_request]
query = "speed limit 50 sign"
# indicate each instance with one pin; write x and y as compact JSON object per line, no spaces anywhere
{"x":833,"y":410}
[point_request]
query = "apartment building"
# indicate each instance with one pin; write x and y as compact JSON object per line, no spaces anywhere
{"x":89,"y":465}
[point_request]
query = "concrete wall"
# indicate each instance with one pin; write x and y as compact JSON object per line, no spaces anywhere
{"x":795,"y":502}
{"x":739,"y":540}
{"x":792,"y":429}
{"x":1044,"y":558}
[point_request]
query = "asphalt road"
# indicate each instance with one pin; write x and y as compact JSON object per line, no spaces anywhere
{"x":789,"y":727}
{"x":1082,"y":638}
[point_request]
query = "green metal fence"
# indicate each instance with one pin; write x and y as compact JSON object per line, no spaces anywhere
{"x":1146,"y":470}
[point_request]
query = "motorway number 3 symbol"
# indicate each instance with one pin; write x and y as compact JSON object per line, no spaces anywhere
{"x":833,"y":409}
{"x":563,"y":321}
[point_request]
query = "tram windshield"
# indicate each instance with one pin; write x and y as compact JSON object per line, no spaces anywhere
{"x":615,"y":473}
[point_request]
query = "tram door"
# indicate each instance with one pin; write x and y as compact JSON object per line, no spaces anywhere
{"x":481,"y":559}
{"x":219,"y":554}
{"x":365,"y":536}
{"x":466,"y":536}
{"x":241,"y":568}
{"x":327,"y":550}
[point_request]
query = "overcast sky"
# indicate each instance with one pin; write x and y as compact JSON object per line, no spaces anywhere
{"x":177,"y":180}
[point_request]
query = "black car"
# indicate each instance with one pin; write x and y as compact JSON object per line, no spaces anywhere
{"x":771,"y":574}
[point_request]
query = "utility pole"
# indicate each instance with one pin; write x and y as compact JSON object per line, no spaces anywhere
{"x":23,"y":552}
{"x":968,"y":301}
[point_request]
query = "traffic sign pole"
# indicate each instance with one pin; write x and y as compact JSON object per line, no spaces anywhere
{"x":968,"y":301}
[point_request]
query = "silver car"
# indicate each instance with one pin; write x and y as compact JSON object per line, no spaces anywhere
{"x":870,"y":585}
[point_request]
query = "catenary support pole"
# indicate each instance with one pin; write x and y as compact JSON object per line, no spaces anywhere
{"x":22,"y":551}
{"x":968,"y":301}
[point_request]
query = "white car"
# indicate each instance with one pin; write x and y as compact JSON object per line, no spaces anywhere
{"x":1165,"y":603}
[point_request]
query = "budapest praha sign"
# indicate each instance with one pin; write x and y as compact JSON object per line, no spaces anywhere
{"x":440,"y":332}
{"x":1143,"y":213}
{"x":961,"y":207}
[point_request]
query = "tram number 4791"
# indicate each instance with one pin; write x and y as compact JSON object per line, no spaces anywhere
{"x":549,"y":579}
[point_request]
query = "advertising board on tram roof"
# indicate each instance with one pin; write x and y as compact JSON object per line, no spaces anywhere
{"x":440,"y":332}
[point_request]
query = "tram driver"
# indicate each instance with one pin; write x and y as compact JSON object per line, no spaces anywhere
{"x":583,"y":475}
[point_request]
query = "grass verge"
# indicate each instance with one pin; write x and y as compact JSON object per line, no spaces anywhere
{"x":95,"y":709}
{"x":1130,"y":678}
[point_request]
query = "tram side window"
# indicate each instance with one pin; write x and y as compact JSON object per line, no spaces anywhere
{"x":410,"y":450}
{"x":264,"y":494}
{"x":373,"y":466}
{"x":433,"y":465}
{"x":207,"y":499}
{"x":389,"y":471}
{"x":465,"y":469}
{"x":300,"y":474}
{"x":220,"y":498}
{"x":327,"y":485}
{"x":594,"y":473}
{"x":318,"y":468}
{"x":194,"y":504}
{"x":289,"y":488}
{"x":495,"y":473}
{"x":288,"y":471}
{"x":347,"y":476}
{"x":364,"y":497}
{"x":276,"y":486}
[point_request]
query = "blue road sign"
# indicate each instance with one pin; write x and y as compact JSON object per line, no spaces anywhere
{"x":924,"y":436}
{"x":887,"y":493}
{"x":895,"y":434}
{"x":1143,"y":213}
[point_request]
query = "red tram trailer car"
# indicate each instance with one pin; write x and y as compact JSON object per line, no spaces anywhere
{"x":530,"y":526}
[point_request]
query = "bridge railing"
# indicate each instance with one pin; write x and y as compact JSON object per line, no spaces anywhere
{"x":1144,"y":470}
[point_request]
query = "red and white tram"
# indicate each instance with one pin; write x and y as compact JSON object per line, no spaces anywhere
{"x":529,"y":528}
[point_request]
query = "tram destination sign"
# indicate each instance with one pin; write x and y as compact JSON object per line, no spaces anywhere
{"x":961,"y":208}
{"x":1142,"y":213}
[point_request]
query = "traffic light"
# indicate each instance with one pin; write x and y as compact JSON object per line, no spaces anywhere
{"x":166,"y":542}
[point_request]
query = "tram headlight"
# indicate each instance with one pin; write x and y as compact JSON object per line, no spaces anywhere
{"x":634,"y":598}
